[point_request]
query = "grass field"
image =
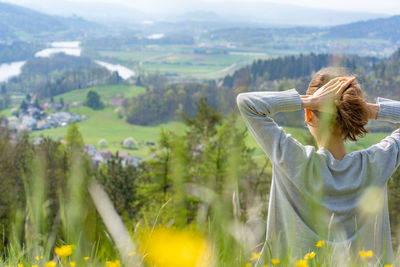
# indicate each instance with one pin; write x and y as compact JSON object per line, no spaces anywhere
{"x":105,"y":124}
{"x":181,"y":60}
{"x":106,"y":92}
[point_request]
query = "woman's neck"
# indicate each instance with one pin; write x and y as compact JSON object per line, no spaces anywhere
{"x":335,"y":145}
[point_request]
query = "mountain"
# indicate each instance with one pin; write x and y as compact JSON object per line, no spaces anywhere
{"x":384,"y":28}
{"x":20,"y":23}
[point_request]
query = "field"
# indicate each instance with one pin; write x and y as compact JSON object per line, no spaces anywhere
{"x":107,"y":93}
{"x":182,"y":60}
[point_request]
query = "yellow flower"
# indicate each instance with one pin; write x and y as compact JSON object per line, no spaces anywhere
{"x":51,"y":264}
{"x":320,"y":243}
{"x":35,"y":265}
{"x":248,"y":264}
{"x":113,"y":263}
{"x":275,"y":261}
{"x":86,"y":258}
{"x":301,"y":263}
{"x":389,"y":265}
{"x":37,"y":258}
{"x":309,"y":256}
{"x":20,"y":265}
{"x":165,"y":247}
{"x":366,"y":254}
{"x":72,"y":263}
{"x":64,"y":251}
{"x":255,"y":256}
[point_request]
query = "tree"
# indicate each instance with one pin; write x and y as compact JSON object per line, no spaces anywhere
{"x":93,"y":100}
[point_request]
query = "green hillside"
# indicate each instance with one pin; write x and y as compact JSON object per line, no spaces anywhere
{"x":107,"y":92}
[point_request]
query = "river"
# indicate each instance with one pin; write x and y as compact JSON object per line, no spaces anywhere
{"x":12,"y":69}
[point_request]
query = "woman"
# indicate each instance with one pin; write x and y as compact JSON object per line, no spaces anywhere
{"x":326,"y":194}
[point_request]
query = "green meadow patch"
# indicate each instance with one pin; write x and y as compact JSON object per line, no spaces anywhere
{"x":107,"y":92}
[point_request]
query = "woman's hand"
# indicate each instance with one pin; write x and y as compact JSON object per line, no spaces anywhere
{"x":326,"y":97}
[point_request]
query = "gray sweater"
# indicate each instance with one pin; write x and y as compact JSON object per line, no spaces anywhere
{"x":317,"y":197}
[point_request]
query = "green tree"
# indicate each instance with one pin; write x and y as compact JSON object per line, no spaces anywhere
{"x":93,"y":100}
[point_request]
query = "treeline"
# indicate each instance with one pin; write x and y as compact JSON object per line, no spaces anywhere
{"x":18,"y":51}
{"x":164,"y":101}
{"x":58,"y":74}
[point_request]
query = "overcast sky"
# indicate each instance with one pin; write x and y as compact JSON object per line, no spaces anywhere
{"x":373,"y":6}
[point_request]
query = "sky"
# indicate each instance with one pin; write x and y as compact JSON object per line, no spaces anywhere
{"x":373,"y":6}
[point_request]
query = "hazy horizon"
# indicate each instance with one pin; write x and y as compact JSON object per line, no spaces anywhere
{"x":265,"y":12}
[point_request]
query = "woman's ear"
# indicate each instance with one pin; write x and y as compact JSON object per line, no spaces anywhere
{"x":309,"y":115}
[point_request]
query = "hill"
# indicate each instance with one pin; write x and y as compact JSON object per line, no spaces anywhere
{"x":384,"y":28}
{"x":20,"y":23}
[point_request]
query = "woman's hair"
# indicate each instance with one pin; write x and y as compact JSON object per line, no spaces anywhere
{"x":352,"y":111}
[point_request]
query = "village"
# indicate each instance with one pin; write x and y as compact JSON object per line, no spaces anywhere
{"x":31,"y":116}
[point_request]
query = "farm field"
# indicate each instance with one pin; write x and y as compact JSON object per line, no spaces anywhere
{"x":182,"y":60}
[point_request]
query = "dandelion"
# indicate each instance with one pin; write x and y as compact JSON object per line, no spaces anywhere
{"x":86,"y":258}
{"x":255,"y":256}
{"x":64,"y":251}
{"x":309,"y":256}
{"x":20,"y":265}
{"x":113,"y":263}
{"x":176,"y":248}
{"x":302,"y":263}
{"x":37,"y":258}
{"x":35,"y":265}
{"x":72,"y":263}
{"x":275,"y":261}
{"x":320,"y":243}
{"x":51,"y":264}
{"x":366,"y":254}
{"x":389,"y":265}
{"x":248,"y":264}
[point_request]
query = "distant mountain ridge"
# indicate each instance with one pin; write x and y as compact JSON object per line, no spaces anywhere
{"x":20,"y":23}
{"x":384,"y":28}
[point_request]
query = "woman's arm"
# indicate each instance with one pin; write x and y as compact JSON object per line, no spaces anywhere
{"x":256,"y":109}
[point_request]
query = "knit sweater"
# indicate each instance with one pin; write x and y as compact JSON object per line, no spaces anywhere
{"x":317,"y":197}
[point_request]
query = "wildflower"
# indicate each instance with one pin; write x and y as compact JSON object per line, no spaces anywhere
{"x":72,"y":263}
{"x":309,"y":256}
{"x":389,"y":265}
{"x":113,"y":263}
{"x":178,"y":248}
{"x":255,"y":256}
{"x":86,"y":258}
{"x":275,"y":261}
{"x":320,"y":243}
{"x":51,"y":264}
{"x":41,"y":257}
{"x":37,"y":258}
{"x":366,"y":254}
{"x":302,"y":263}
{"x":64,"y":251}
{"x":35,"y":265}
{"x":248,"y":264}
{"x":20,"y":265}
{"x":133,"y":253}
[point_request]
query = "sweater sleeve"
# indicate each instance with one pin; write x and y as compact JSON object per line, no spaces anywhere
{"x":256,"y":109}
{"x":386,"y":153}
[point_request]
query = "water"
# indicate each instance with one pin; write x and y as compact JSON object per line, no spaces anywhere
{"x":124,"y":72}
{"x":9,"y":70}
{"x":12,"y":69}
{"x":69,"y":48}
